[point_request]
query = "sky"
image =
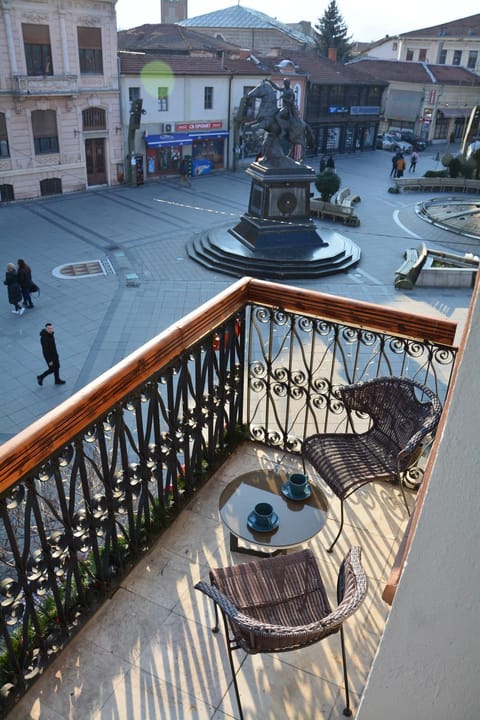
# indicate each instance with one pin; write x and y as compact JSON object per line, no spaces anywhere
{"x":366,"y":20}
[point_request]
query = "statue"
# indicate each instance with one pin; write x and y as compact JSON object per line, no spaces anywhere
{"x":279,"y":123}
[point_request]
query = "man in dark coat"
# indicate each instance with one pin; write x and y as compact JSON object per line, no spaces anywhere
{"x":50,"y":354}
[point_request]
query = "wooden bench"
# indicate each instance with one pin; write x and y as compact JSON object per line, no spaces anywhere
{"x":333,"y":211}
{"x":409,"y":270}
{"x":438,"y":184}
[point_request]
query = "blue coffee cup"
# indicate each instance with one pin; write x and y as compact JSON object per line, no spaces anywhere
{"x":298,"y":484}
{"x":263,"y":514}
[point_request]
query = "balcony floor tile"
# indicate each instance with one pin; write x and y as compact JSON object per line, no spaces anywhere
{"x":149,"y":652}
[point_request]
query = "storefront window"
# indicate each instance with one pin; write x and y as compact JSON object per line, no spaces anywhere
{"x":164,"y":160}
{"x":212,"y":150}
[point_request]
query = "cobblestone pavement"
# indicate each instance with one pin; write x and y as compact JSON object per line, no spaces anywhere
{"x":140,"y":234}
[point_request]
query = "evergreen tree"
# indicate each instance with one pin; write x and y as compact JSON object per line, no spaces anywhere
{"x":331,"y":32}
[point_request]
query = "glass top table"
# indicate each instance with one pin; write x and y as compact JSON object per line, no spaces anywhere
{"x":299,"y":520}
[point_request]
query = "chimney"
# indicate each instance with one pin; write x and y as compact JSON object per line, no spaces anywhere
{"x":332,"y":54}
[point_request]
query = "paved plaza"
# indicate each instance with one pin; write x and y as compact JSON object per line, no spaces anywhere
{"x":139,"y":235}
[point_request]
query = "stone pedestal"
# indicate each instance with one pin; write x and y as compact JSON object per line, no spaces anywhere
{"x":278,"y":217}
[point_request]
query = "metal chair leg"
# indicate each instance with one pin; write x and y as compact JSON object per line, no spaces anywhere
{"x":347,"y":711}
{"x":232,"y":667}
{"x":340,"y":530}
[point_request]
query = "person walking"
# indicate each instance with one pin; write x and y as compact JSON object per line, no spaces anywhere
{"x":49,"y":349}
{"x":413,"y":161}
{"x":331,"y":162}
{"x":393,"y":171}
{"x":24,"y":275}
{"x":400,"y":166}
{"x":184,"y":179}
{"x":323,"y":163}
{"x":13,"y":288}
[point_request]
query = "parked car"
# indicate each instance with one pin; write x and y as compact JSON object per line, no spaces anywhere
{"x":390,"y":142}
{"x":416,"y":142}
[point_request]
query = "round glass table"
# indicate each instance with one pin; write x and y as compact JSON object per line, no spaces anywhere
{"x":298,"y":520}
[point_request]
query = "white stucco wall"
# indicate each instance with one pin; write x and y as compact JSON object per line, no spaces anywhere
{"x":428,"y":663}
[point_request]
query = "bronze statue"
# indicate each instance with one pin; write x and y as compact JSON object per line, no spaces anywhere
{"x":279,"y":123}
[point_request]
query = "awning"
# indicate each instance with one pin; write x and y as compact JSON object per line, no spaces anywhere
{"x":172,"y":139}
{"x":449,"y":112}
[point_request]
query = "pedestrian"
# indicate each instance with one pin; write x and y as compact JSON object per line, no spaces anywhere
{"x":184,"y":179}
{"x":330,"y":162}
{"x":14,"y":289}
{"x":49,"y":349}
{"x":413,"y":161}
{"x":393,"y":171}
{"x":400,"y":166}
{"x":323,"y":163}
{"x":24,"y":275}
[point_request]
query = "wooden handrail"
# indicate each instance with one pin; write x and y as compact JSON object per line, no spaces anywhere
{"x":29,"y":449}
{"x":352,"y":312}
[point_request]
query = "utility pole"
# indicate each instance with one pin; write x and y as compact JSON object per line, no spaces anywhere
{"x":136,"y":111}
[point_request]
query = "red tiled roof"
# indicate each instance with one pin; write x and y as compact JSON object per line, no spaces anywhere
{"x":173,"y":38}
{"x":462,"y":28}
{"x":402,"y":71}
{"x":132,"y":63}
{"x":324,"y":71}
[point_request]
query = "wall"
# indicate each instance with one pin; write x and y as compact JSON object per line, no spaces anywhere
{"x":428,"y":661}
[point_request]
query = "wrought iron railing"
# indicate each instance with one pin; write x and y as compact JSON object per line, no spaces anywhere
{"x":87,"y":488}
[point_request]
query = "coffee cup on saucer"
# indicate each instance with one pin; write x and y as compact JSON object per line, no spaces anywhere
{"x":263,"y":513}
{"x":298,"y":484}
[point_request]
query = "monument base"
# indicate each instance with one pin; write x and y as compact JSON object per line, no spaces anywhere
{"x":278,"y":216}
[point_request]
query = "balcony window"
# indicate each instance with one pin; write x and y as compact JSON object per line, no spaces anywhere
{"x":93,"y":119}
{"x":443,"y":57}
{"x":457,"y":57}
{"x":208,"y":98}
{"x":44,"y":129}
{"x":163,"y":99}
{"x":472,"y":59}
{"x":422,"y":55}
{"x":4,"y":151}
{"x":409,"y":55}
{"x":90,"y":50}
{"x":133,"y":93}
{"x":38,"y":53}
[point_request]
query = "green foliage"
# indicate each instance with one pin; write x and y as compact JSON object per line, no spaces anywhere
{"x":332,"y":32}
{"x":436,"y":173}
{"x":455,"y":167}
{"x":474,"y":164}
{"x":327,"y":183}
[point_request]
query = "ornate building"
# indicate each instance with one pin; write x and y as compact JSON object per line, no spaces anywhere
{"x":60,"y":128}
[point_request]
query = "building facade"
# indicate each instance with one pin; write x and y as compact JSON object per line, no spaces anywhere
{"x":454,"y":43}
{"x":433,"y":101}
{"x":60,"y":128}
{"x":190,"y":110}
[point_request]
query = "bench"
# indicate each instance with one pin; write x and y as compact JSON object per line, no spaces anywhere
{"x":409,"y":270}
{"x":333,"y":211}
{"x":437,"y":184}
{"x":345,"y":197}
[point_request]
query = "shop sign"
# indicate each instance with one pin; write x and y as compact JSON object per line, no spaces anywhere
{"x":189,"y":126}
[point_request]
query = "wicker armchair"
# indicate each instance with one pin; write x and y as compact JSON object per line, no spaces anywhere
{"x":401,"y":414}
{"x":280,"y":604}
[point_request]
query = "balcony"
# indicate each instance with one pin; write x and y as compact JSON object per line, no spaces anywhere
{"x":109,"y":507}
{"x":45,"y":85}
